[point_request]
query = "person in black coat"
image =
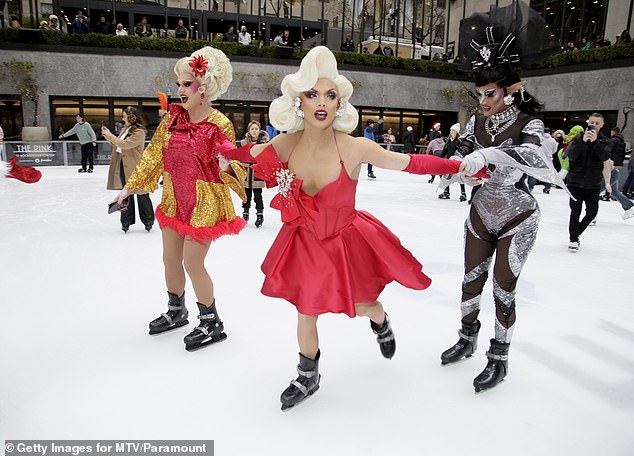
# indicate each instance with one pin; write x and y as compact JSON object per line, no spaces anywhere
{"x":586,"y":154}
{"x":347,"y":45}
{"x":409,"y":145}
{"x":103,"y":26}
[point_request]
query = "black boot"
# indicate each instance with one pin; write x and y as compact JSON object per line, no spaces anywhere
{"x":259,"y":220}
{"x":385,"y":337}
{"x":463,"y":197}
{"x":444,"y":196}
{"x":496,"y":367}
{"x":245,"y":214}
{"x":175,"y":317}
{"x":305,"y":384}
{"x":209,"y":331}
{"x":466,"y":345}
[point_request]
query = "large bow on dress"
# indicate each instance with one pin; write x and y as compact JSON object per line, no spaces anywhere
{"x":295,"y":206}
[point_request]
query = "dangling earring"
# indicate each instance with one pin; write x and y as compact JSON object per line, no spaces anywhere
{"x":341,"y":108}
{"x":202,"y":98}
{"x":297,"y":104}
{"x":508,"y":99}
{"x":524,"y":100}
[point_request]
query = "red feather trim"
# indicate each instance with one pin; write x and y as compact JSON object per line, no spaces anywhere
{"x":163,"y":99}
{"x":206,"y":233}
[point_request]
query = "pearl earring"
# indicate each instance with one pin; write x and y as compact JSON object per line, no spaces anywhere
{"x":508,"y":99}
{"x":297,"y":104}
{"x":341,"y":108}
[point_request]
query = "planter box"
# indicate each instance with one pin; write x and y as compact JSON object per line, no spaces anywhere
{"x":35,"y":134}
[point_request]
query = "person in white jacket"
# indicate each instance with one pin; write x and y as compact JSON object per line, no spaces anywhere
{"x":244,"y":37}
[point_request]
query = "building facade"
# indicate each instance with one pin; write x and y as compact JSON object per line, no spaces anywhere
{"x":100,"y":86}
{"x":423,"y":22}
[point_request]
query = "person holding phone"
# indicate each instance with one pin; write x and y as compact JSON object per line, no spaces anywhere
{"x":587,"y":153}
{"x":127,"y":149}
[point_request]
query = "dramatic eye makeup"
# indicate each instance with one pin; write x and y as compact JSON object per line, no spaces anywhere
{"x":185,"y":83}
{"x":488,"y":93}
{"x":332,"y":94}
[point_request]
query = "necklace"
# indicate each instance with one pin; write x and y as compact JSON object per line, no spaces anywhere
{"x":497,"y":123}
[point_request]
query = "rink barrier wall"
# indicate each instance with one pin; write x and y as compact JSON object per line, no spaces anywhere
{"x":68,"y":153}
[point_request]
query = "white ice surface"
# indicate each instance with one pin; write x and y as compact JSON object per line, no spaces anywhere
{"x":77,"y":362}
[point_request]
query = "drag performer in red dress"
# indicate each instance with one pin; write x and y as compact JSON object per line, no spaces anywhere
{"x":196,"y":206}
{"x":329,"y":257}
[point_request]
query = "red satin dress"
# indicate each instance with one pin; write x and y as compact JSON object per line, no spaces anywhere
{"x":328,"y":256}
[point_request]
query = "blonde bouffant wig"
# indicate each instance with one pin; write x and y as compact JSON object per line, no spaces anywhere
{"x":210,"y":67}
{"x":319,"y":63}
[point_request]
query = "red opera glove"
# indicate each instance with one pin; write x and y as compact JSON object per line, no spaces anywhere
{"x":430,"y":164}
{"x":242,"y":154}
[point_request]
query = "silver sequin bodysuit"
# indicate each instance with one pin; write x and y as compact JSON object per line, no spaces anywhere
{"x":504,"y":216}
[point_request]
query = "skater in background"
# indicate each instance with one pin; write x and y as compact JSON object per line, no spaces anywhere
{"x":504,"y":216}
{"x":252,"y":185}
{"x":368,"y":132}
{"x":87,"y":140}
{"x":196,"y":207}
{"x":451,"y":148}
{"x":127,"y":149}
{"x":329,"y":257}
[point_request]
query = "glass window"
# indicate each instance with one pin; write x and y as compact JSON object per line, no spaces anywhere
{"x":11,"y":117}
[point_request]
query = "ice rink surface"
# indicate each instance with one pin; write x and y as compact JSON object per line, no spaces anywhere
{"x":78,"y":363}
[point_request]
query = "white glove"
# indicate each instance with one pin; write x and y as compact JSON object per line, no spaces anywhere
{"x":563,"y":173}
{"x":473,"y":162}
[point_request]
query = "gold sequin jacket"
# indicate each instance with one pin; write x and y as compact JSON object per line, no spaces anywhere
{"x":196,"y":199}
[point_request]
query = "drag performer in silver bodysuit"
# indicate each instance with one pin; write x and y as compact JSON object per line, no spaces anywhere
{"x":504,"y":216}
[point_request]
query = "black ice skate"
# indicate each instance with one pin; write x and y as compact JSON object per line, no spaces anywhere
{"x":245,"y":214}
{"x":259,"y":220}
{"x":385,"y":337}
{"x":496,"y":368}
{"x":305,"y":384}
{"x":175,"y":317}
{"x":209,"y":331}
{"x":443,"y":196}
{"x":466,"y":345}
{"x":463,"y":197}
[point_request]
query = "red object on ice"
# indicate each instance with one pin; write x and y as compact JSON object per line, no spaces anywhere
{"x":25,"y":174}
